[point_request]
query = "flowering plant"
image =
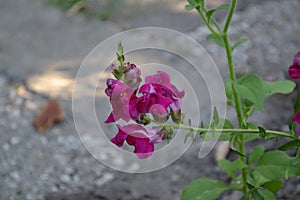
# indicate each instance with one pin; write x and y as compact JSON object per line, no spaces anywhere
{"x":257,"y":174}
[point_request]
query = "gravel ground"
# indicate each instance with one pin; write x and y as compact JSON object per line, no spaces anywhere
{"x":55,"y":165}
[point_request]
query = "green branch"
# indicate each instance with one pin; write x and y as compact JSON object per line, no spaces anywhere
{"x":270,"y":132}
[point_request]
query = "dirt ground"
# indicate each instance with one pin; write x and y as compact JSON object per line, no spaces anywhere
{"x":41,"y":46}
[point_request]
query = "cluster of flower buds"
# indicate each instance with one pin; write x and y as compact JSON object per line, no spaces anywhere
{"x":155,"y":101}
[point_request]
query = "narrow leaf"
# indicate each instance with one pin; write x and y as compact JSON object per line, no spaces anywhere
{"x":217,"y":39}
{"x":220,"y":7}
{"x":190,"y":134}
{"x":189,"y":7}
{"x":290,"y":145}
{"x":239,"y":43}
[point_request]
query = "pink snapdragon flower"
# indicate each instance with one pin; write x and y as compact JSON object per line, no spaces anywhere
{"x":294,"y":70}
{"x":127,"y":106}
{"x":160,"y":84}
{"x":142,"y":139}
{"x":120,"y":97}
{"x":144,"y":104}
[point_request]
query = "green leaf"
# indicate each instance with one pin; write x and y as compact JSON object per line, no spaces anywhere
{"x":192,"y":2}
{"x":256,"y":154}
{"x":296,"y":159}
{"x":262,"y":132}
{"x":258,"y":179}
{"x":217,"y":39}
{"x":204,"y":189}
{"x":254,"y":192}
{"x":201,"y":3}
{"x":230,"y":168}
{"x":120,"y":49}
{"x":275,"y":165}
{"x":215,"y":119}
{"x":220,"y":7}
{"x":273,"y":186}
{"x":295,"y":144}
{"x":190,"y":7}
{"x":239,"y":43}
{"x":251,"y":126}
{"x":250,"y":87}
{"x":292,"y":127}
{"x":266,"y":194}
{"x":282,"y":87}
{"x":201,"y":126}
{"x":250,"y":136}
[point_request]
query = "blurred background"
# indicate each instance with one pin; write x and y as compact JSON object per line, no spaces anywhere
{"x":42,"y":44}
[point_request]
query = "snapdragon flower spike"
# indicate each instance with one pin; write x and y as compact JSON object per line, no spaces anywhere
{"x":136,"y":135}
{"x":294,"y":70}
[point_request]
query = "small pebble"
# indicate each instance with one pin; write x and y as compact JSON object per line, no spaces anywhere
{"x":15,"y":140}
{"x":104,"y":179}
{"x":65,"y":178}
{"x":15,"y":176}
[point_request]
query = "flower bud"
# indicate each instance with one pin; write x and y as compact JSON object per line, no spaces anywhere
{"x":132,"y":76}
{"x":176,"y":116}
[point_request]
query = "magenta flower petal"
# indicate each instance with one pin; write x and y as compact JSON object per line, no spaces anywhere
{"x":143,"y":147}
{"x":144,"y":103}
{"x":161,"y":78}
{"x":294,"y":70}
{"x":297,"y":59}
{"x":136,"y":135}
{"x":120,"y":100}
{"x":110,"y":119}
{"x":120,"y":137}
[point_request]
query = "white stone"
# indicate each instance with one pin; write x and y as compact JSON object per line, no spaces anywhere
{"x":15,"y":140}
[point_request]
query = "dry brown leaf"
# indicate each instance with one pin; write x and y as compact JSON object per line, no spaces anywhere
{"x":50,"y":114}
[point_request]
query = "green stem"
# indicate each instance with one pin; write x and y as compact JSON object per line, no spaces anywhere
{"x":270,"y":132}
{"x":236,"y":97}
{"x":206,"y":22}
{"x":229,"y":16}
{"x":237,"y":100}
